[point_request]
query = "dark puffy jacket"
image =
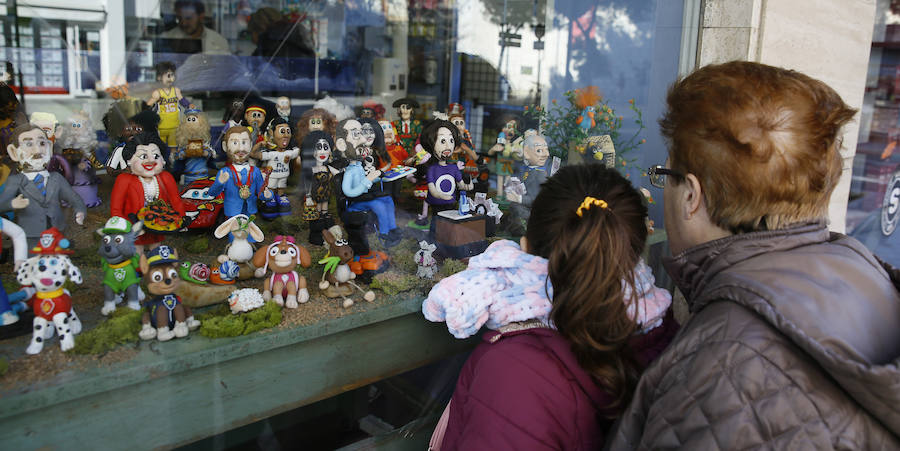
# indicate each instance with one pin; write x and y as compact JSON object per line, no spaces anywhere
{"x":524,"y":390}
{"x":794,"y":343}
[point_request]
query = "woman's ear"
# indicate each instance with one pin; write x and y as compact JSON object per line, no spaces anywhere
{"x":523,"y":243}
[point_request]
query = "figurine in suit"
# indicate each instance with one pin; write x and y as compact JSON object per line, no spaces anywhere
{"x":242,"y":182}
{"x":34,"y":193}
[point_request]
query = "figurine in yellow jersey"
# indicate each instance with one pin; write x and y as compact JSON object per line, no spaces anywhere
{"x":167,"y":99}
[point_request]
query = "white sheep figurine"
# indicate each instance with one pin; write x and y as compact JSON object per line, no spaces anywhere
{"x":244,"y":300}
{"x":425,"y":261}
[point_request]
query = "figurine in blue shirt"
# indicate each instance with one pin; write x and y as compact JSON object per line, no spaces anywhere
{"x":242,"y":183}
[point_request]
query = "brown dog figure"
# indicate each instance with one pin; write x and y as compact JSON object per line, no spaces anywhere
{"x":285,"y":286}
{"x":166,"y":317}
{"x":337,"y":278}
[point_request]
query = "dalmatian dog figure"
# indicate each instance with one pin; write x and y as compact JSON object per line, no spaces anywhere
{"x":47,"y":272}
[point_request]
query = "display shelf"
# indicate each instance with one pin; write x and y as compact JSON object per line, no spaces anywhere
{"x":177,"y":392}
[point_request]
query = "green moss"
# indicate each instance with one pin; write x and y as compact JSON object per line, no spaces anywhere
{"x":197,"y":245}
{"x":451,"y":266}
{"x":120,"y":328}
{"x":87,"y":257}
{"x":4,"y":365}
{"x":221,"y":323}
{"x":393,"y":282}
{"x":402,"y":255}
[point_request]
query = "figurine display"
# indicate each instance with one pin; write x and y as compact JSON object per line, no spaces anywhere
{"x":275,"y":160}
{"x":148,"y":193}
{"x":316,"y":119}
{"x":34,"y":193}
{"x":47,"y":271}
{"x":508,"y":143}
{"x":47,"y":122}
{"x":239,"y":250}
{"x":120,"y":264}
{"x":283,"y":108}
{"x":440,"y":138}
{"x":242,"y":183}
{"x":394,"y":149}
{"x":337,"y":278}
{"x":426,"y":265}
{"x":8,"y":315}
{"x":193,"y":154}
{"x":362,"y":189}
{"x":285,"y":286}
{"x":167,"y":100}
{"x":75,"y":165}
{"x":533,"y":173}
{"x":465,"y":151}
{"x":407,"y":128}
{"x":166,"y":316}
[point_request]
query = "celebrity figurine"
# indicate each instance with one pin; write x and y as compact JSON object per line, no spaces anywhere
{"x":241,"y":182}
{"x":34,"y":193}
{"x":167,"y":99}
{"x":407,"y":128}
{"x":283,"y":107}
{"x":254,"y":118}
{"x":507,"y":142}
{"x":316,"y":119}
{"x":360,"y":188}
{"x":533,"y":172}
{"x":275,"y":158}
{"x":440,"y":138}
{"x":20,"y":253}
{"x":147,"y":184}
{"x":47,"y":122}
{"x":75,"y":165}
{"x":321,"y":145}
{"x":193,"y":154}
{"x":121,"y":130}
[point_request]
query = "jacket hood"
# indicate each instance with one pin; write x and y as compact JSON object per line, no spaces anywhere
{"x":824,"y":291}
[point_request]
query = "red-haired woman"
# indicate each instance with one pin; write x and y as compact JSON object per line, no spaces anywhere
{"x":575,"y":318}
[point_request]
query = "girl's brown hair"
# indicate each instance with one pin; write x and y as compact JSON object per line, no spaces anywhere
{"x":590,"y":257}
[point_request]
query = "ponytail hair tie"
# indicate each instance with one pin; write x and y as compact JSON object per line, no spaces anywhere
{"x":588,"y":202}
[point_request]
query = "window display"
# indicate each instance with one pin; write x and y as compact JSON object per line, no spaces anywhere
{"x":283,"y":178}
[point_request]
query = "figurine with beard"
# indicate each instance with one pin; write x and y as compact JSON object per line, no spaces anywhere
{"x":193,"y":154}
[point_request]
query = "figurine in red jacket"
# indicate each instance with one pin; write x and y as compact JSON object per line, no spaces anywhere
{"x":148,"y":182}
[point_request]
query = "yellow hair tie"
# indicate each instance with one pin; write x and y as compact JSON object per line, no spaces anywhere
{"x":588,"y":202}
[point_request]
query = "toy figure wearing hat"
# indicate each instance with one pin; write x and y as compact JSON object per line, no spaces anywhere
{"x":8,"y":311}
{"x":47,"y":272}
{"x":166,"y":317}
{"x":120,"y":263}
{"x":193,"y":153}
{"x":275,"y":158}
{"x":242,"y":183}
{"x":34,"y":193}
{"x":167,"y":99}
{"x":407,"y":128}
{"x":148,"y":193}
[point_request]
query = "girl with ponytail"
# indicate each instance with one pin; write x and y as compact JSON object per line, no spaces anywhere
{"x":574,"y":318}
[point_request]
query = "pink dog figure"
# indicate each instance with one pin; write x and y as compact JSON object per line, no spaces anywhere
{"x":47,"y":272}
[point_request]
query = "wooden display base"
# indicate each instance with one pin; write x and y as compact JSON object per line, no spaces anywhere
{"x":460,"y":236}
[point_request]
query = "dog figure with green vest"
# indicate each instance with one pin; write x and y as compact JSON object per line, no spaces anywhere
{"x":120,"y":264}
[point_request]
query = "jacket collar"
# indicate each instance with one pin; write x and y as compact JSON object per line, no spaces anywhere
{"x":692,"y":269}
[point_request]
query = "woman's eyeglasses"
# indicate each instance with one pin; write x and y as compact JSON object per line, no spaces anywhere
{"x":658,"y":175}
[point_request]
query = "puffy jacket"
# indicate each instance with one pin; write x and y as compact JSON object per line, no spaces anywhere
{"x":524,"y":390}
{"x":794,"y":343}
